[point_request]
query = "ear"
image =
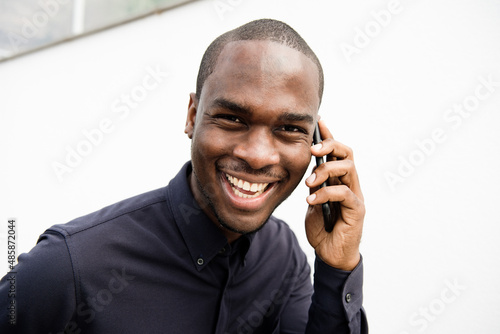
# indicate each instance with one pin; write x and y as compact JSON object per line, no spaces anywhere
{"x":191,"y":115}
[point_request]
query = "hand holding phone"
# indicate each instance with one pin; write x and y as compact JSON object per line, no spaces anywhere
{"x":341,"y":202}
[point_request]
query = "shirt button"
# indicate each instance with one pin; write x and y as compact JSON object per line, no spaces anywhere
{"x":348,"y":298}
{"x":200,"y":261}
{"x":223,"y":250}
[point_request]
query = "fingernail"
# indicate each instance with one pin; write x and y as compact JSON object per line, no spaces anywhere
{"x":311,"y":178}
{"x":311,"y":198}
{"x":318,"y":146}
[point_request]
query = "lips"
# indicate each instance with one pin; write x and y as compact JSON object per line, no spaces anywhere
{"x":245,"y":189}
{"x":255,"y":199}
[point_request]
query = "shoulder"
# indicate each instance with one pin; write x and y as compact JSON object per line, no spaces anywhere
{"x":120,"y":211}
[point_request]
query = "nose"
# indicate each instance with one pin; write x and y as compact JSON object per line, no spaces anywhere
{"x":257,"y":148}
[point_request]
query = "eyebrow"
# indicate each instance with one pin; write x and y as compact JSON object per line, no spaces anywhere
{"x":286,"y":116}
{"x":296,"y":117}
{"x":233,"y":106}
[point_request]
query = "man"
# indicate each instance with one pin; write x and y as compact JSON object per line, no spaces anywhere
{"x":204,"y":254}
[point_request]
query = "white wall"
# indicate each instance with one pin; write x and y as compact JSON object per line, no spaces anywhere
{"x":435,"y":227}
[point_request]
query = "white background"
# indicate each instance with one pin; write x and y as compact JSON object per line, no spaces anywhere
{"x":437,"y":225}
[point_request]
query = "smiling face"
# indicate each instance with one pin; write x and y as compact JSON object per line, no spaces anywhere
{"x":251,"y":132}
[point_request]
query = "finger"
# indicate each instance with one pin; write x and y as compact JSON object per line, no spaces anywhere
{"x":332,"y":149}
{"x":313,"y":175}
{"x":323,"y":130}
{"x":329,"y":146}
{"x":335,"y":173}
{"x":340,"y":193}
{"x":344,"y":170}
{"x":320,"y":149}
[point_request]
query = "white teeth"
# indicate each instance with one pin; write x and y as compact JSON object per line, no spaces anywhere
{"x":241,"y":194}
{"x":257,"y":188}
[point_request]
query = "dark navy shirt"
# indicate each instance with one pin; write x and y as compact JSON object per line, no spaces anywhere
{"x":155,"y":263}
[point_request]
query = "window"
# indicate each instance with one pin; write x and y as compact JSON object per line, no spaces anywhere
{"x":28,"y":25}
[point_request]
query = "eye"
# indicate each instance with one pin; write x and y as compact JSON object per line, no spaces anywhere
{"x":229,"y":121}
{"x":291,"y":128}
{"x":230,"y":118}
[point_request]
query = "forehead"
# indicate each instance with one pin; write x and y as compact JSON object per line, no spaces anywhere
{"x":257,"y":72}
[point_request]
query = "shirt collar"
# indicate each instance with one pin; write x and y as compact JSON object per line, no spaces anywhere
{"x":202,"y":237}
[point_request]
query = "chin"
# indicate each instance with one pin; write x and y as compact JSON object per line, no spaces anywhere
{"x":243,"y":224}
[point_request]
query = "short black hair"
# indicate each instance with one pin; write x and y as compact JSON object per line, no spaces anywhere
{"x":264,"y":29}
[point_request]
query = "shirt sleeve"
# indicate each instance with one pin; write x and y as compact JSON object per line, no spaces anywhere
{"x":336,"y":306}
{"x":38,"y":295}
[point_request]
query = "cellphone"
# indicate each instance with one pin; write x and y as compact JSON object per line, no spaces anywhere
{"x":331,"y":210}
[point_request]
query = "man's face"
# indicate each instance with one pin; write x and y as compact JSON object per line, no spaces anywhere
{"x":251,"y":132}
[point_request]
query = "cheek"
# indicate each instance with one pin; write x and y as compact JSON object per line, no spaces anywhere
{"x":209,"y":144}
{"x":297,"y":159}
{"x":207,"y":147}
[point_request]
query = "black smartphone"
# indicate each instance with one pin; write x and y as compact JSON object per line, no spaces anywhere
{"x":330,"y":210}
